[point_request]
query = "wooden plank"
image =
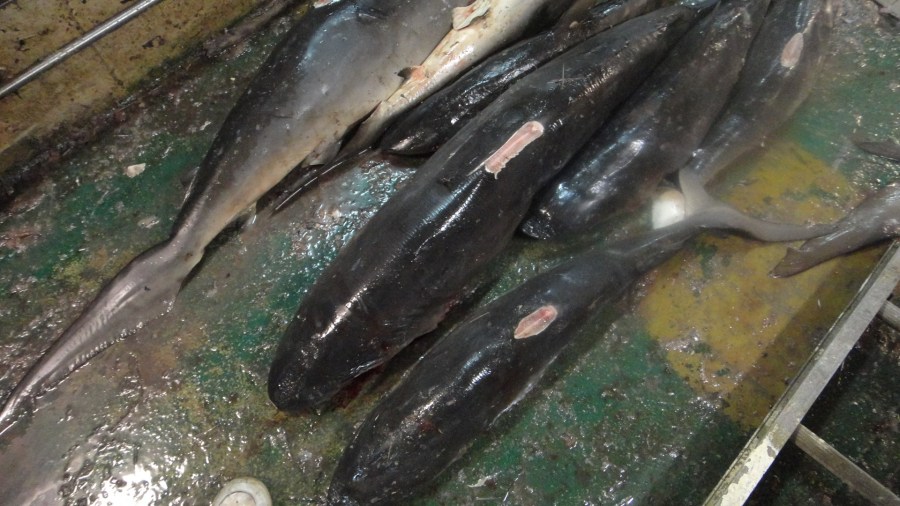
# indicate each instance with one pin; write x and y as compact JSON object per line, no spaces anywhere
{"x":844,"y":468}
{"x":779,"y":425}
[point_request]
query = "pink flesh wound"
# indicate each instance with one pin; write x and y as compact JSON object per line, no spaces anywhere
{"x":525,"y":135}
{"x":536,"y":322}
{"x":792,"y":51}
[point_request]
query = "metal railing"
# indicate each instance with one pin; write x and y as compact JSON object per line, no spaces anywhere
{"x":75,"y":46}
{"x":783,"y":422}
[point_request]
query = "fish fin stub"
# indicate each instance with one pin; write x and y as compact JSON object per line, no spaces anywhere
{"x":465,"y":16}
{"x":370,"y":13}
{"x":889,"y":149}
{"x":539,"y":225}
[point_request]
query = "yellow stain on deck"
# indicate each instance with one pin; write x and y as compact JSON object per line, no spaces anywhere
{"x":728,"y":328}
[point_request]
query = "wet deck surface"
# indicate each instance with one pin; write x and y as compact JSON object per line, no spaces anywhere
{"x":650,"y":405}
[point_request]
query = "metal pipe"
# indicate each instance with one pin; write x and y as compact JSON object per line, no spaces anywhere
{"x":76,"y":45}
{"x":891,"y":314}
{"x":843,"y":468}
{"x":764,"y":445}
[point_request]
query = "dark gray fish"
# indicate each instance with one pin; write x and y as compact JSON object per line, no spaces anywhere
{"x":475,"y":373}
{"x":787,"y":51}
{"x":884,"y":149}
{"x":655,"y":132}
{"x":777,"y":78}
{"x":875,"y":220}
{"x":471,"y":376}
{"x":397,"y":277}
{"x":443,"y":114}
{"x":889,"y":8}
{"x":331,"y":70}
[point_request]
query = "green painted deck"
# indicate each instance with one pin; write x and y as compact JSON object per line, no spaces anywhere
{"x":649,"y":406}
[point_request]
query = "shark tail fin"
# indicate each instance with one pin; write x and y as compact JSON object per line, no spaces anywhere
{"x":140,"y":292}
{"x":707,"y":212}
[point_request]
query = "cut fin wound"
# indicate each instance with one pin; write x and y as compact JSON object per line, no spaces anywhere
{"x":464,"y":16}
{"x":519,"y":140}
{"x":792,"y":51}
{"x":709,"y":212}
{"x":414,"y":73}
{"x":536,"y":322}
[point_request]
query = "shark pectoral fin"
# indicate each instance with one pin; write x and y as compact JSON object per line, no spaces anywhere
{"x":247,"y":218}
{"x":315,"y":174}
{"x":322,"y":154}
{"x":299,"y":186}
{"x":366,"y":134}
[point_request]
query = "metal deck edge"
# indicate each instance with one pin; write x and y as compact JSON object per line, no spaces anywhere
{"x":783,"y":419}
